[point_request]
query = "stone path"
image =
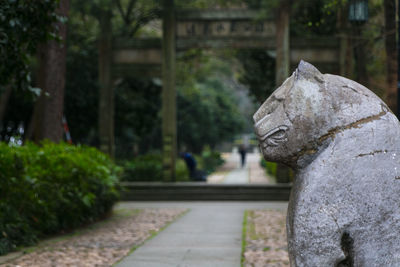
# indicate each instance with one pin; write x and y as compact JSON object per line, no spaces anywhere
{"x":99,"y":244}
{"x":232,"y":173}
{"x":209,"y":235}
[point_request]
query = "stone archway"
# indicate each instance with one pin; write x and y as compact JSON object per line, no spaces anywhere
{"x":213,"y":29}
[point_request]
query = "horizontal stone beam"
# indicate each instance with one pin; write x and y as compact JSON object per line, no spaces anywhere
{"x":137,"y":56}
{"x":137,"y":43}
{"x":268,"y":43}
{"x":149,"y":51}
{"x":225,"y":28}
{"x":221,"y":14}
{"x":136,"y":70}
{"x":220,"y":43}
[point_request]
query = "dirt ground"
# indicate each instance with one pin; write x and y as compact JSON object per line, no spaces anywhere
{"x":101,"y":244}
{"x":266,"y":243}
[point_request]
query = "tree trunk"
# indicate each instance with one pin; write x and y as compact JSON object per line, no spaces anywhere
{"x":345,"y":53}
{"x":47,"y":115}
{"x":5,"y":96}
{"x":106,"y":96}
{"x":360,"y":57}
{"x":391,"y":54}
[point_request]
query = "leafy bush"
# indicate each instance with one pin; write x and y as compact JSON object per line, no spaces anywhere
{"x":148,"y":168}
{"x":270,"y":167}
{"x":210,"y":160}
{"x":50,"y":188}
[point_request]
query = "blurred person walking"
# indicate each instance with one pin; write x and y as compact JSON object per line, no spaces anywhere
{"x":242,"y":152}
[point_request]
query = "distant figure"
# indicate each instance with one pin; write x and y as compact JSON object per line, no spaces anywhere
{"x":191,"y":164}
{"x":242,"y":152}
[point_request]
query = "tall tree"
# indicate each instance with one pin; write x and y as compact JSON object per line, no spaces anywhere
{"x":23,"y":25}
{"x":48,"y":111}
{"x":106,"y":96}
{"x":4,"y":97}
{"x":391,"y":53}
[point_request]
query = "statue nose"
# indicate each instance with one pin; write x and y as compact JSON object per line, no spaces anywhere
{"x":260,"y":127}
{"x":259,"y":132}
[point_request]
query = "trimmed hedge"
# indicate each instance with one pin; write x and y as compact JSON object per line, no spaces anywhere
{"x":210,"y":160}
{"x":148,"y":168}
{"x":51,"y":188}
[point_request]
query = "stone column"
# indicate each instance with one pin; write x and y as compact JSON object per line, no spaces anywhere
{"x":106,"y":96}
{"x":282,"y":65}
{"x":168,"y":92}
{"x":282,"y":43}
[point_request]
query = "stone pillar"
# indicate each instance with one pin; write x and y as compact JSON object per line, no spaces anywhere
{"x":168,"y":92}
{"x":106,"y":96}
{"x":282,"y":43}
{"x":282,"y":65}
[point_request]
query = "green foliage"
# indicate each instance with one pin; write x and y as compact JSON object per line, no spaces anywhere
{"x":138,"y":120}
{"x":314,"y":17}
{"x":50,"y":188}
{"x":210,"y":160}
{"x":23,"y":25}
{"x":81,"y":87}
{"x":207,"y":110}
{"x":137,"y":101}
{"x":270,"y":167}
{"x":258,"y":72}
{"x":133,"y":15}
{"x":148,"y":168}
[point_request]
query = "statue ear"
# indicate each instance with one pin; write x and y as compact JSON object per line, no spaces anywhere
{"x":307,"y":96}
{"x":306,"y":71}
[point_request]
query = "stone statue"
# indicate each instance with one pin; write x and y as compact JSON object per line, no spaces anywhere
{"x":344,"y":144}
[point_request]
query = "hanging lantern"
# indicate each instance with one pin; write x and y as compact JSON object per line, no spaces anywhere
{"x":358,"y":11}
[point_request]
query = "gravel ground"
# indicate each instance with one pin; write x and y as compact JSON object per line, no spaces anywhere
{"x":101,"y":244}
{"x":266,"y":243}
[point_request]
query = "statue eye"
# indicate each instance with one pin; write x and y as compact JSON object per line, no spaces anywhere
{"x":279,"y":134}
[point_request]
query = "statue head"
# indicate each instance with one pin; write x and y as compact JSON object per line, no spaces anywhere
{"x":303,"y":114}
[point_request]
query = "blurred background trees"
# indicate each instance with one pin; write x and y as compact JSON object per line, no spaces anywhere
{"x":218,"y":90}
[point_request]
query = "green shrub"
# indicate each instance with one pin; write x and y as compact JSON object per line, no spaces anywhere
{"x":148,"y":168}
{"x":211,"y":160}
{"x":182,"y":172}
{"x":50,"y":188}
{"x":270,"y":167}
{"x":144,"y":168}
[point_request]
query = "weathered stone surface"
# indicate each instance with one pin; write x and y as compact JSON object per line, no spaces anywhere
{"x":344,"y":144}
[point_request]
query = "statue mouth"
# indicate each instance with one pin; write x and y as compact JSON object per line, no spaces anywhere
{"x":274,"y":137}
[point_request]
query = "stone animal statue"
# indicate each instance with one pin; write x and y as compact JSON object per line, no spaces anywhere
{"x":344,"y":144}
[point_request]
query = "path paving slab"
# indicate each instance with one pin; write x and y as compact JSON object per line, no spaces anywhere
{"x":209,"y":235}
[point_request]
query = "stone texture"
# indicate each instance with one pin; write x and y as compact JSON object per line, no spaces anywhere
{"x":343,"y":142}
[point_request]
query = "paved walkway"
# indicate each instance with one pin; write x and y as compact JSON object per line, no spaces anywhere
{"x":232,"y":173}
{"x":209,"y":235}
